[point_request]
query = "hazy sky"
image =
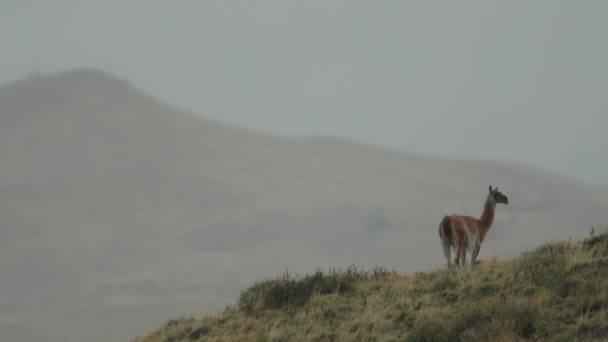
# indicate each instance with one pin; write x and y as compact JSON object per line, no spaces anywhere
{"x":508,"y":80}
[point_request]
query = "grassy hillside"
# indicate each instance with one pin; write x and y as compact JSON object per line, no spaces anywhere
{"x":558,"y":292}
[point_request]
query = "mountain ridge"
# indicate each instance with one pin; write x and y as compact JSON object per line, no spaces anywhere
{"x":96,"y":79}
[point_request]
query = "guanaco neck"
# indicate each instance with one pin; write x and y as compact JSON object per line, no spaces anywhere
{"x":487,"y":216}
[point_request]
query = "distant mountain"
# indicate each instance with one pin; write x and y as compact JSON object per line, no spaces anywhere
{"x":115,"y":207}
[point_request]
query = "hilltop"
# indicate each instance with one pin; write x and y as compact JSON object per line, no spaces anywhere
{"x":557,"y":292}
{"x":118,"y":211}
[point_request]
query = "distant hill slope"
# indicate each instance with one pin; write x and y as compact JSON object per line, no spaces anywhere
{"x":114,"y":205}
{"x":558,"y":292}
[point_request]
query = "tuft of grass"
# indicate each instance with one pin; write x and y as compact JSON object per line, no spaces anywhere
{"x":545,"y":267}
{"x":593,"y":329}
{"x":597,"y":245}
{"x":446,"y":283}
{"x":486,"y":288}
{"x":289,"y":290}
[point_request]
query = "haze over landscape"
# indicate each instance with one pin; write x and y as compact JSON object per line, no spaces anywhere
{"x":526,"y":79}
{"x":156,"y":158}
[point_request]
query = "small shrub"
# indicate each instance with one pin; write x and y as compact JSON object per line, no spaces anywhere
{"x":592,"y":330}
{"x":172,"y":322}
{"x":197,"y":333}
{"x":329,"y":312}
{"x":543,"y":269}
{"x":593,"y":268}
{"x":443,"y":284}
{"x":406,"y":318}
{"x":471,"y":316}
{"x":291,"y":290}
{"x":427,"y":329}
{"x":490,"y":331}
{"x":447,"y":297}
{"x":522,"y":316}
{"x":326,"y":337}
{"x":566,"y":336}
{"x":381,"y":273}
{"x":486,"y":289}
{"x":262,"y":338}
{"x":597,"y":244}
{"x":448,"y":327}
{"x":568,"y":288}
{"x":280,"y":339}
{"x":526,"y":291}
{"x":416,"y":292}
{"x":555,"y":248}
{"x":587,"y":304}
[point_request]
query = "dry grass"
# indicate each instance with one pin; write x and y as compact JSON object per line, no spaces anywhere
{"x":558,"y":292}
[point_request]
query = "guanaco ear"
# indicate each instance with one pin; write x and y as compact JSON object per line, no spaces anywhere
{"x":490,"y":188}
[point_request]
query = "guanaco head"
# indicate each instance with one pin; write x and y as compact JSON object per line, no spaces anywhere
{"x":498,"y":196}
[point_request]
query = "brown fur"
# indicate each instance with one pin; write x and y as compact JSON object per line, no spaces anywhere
{"x":464,"y":233}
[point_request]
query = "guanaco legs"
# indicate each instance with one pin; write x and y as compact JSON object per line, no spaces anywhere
{"x":464,"y":233}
